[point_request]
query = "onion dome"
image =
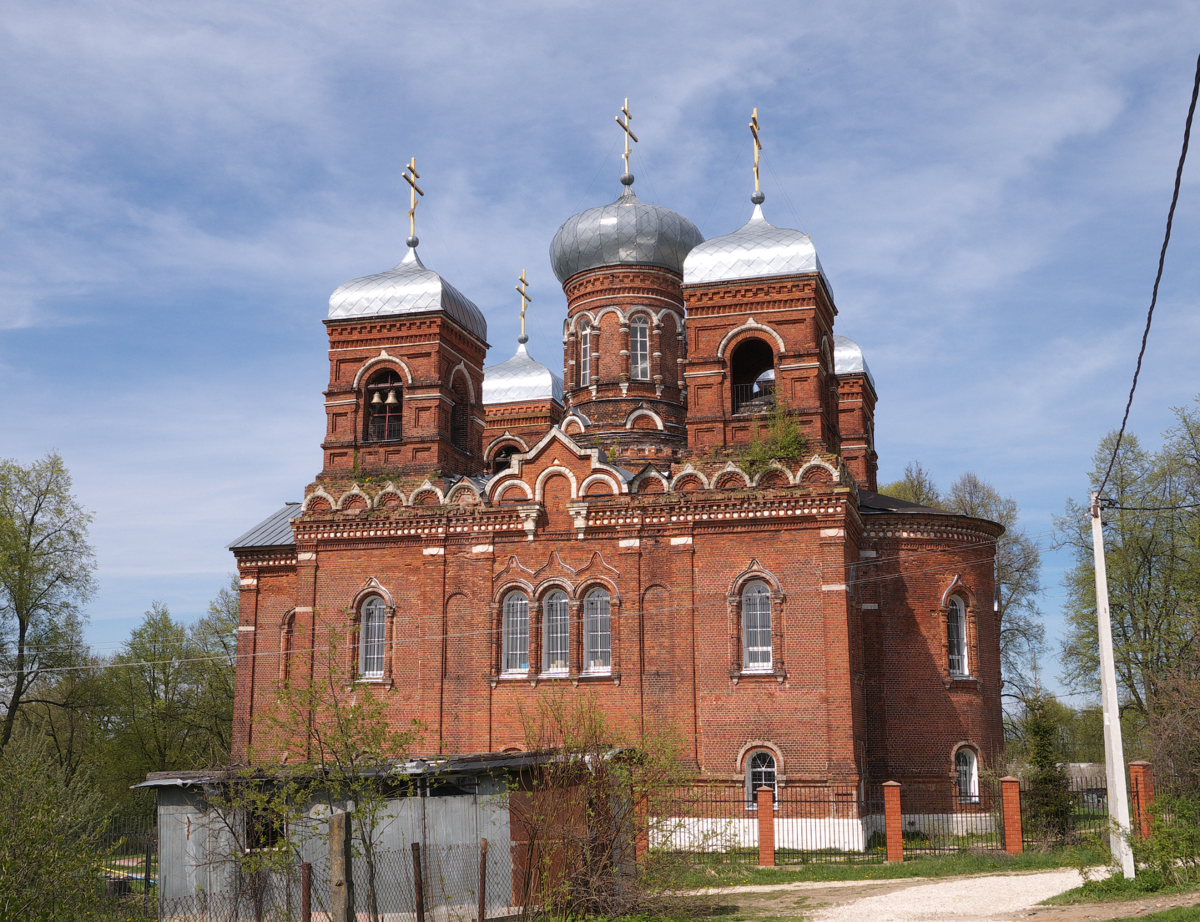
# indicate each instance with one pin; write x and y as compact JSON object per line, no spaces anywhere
{"x":848,"y":358}
{"x":409,"y":288}
{"x":522,"y":379}
{"x":627,"y":232}
{"x":756,"y":250}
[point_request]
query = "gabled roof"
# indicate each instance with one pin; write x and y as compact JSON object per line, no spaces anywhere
{"x":273,"y":531}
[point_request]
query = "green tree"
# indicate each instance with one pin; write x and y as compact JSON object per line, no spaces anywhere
{"x":916,"y":486}
{"x":1048,"y":801}
{"x":1152,"y":554}
{"x":46,"y":574}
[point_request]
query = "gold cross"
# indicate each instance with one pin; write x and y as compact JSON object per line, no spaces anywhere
{"x":412,"y":194}
{"x":757,"y":144}
{"x":628,"y":131}
{"x":525,"y":300}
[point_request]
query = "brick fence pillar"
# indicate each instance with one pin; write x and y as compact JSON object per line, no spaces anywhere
{"x":1141,"y":785}
{"x":892,"y":826}
{"x":766,"y":827}
{"x":1010,"y":803}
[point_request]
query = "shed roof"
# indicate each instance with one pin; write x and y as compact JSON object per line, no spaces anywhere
{"x":273,"y":531}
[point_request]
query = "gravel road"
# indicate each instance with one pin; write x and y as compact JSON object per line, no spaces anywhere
{"x":1003,"y":898}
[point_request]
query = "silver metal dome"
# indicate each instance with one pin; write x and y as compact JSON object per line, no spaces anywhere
{"x":756,"y":250}
{"x":626,"y":232}
{"x":409,"y":288}
{"x":521,"y":379}
{"x":848,"y":358}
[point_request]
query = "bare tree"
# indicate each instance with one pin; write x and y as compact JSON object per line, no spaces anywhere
{"x":916,"y":486}
{"x":46,"y":567}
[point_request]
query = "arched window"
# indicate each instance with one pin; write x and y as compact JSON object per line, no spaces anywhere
{"x":597,"y":632}
{"x":756,"y":627}
{"x":516,"y":632}
{"x":460,"y":417}
{"x":371,"y":638}
{"x":639,"y":348}
{"x":501,"y":458}
{"x":752,"y":376}
{"x":385,"y":407}
{"x":556,"y":632}
{"x":760,"y":772}
{"x":585,"y":355}
{"x":956,"y":636}
{"x":967,"y":768}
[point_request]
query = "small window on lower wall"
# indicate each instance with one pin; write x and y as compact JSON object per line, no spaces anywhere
{"x":760,"y":772}
{"x":967,"y":768}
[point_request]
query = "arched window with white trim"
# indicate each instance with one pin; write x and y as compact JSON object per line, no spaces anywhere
{"x":966,"y":767}
{"x":760,"y":772}
{"x":585,"y":354}
{"x":371,"y":638}
{"x":597,"y":631}
{"x":556,"y":632}
{"x":639,"y":348}
{"x":756,"y":627}
{"x":516,"y":632}
{"x":956,"y":637}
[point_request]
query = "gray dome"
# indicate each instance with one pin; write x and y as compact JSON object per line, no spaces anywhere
{"x":627,"y":232}
{"x":756,"y":250}
{"x":848,"y":358}
{"x":409,"y":288}
{"x":522,"y":378}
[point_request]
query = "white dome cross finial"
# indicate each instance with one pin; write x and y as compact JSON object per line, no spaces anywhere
{"x":412,"y":199}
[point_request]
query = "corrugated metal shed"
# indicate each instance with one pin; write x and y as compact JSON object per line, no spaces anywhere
{"x":274,"y":531}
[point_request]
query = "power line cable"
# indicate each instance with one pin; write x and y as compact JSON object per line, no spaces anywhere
{"x":1187,"y":131}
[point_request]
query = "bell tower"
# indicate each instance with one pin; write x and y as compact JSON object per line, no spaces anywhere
{"x":406,"y":351}
{"x":624,"y":344}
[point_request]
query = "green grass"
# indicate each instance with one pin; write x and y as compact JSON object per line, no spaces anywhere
{"x":927,"y":866}
{"x":1179,"y":914}
{"x":1118,"y":888}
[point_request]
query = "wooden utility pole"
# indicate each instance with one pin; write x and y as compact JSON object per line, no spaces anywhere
{"x":341,"y":868}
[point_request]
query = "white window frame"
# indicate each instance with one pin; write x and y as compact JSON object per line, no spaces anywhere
{"x":556,"y":633}
{"x":372,"y":638}
{"x":956,"y":637}
{"x":585,"y":355}
{"x":639,"y":348}
{"x":515,"y":634}
{"x":597,"y":632}
{"x":753,"y":629}
{"x":769,"y":775}
{"x":966,"y":761}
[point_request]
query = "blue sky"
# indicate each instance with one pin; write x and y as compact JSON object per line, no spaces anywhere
{"x":183,"y":185}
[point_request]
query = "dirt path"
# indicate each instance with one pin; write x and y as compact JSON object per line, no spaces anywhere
{"x":982,"y":898}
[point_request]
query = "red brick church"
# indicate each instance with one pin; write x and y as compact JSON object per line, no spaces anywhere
{"x":479,"y":536}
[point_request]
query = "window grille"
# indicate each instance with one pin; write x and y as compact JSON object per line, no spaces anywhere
{"x":760,"y":772}
{"x":956,"y":637}
{"x":556,"y":632}
{"x":371,"y":639}
{"x":639,"y":349}
{"x":968,"y":777}
{"x":516,"y":632}
{"x":585,"y":356}
{"x":597,"y":633}
{"x":756,"y":626}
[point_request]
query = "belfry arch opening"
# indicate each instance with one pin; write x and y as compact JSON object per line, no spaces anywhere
{"x":752,"y":375}
{"x":384,"y":407}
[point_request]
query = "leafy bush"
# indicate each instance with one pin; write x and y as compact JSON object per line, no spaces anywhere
{"x":1172,"y":850}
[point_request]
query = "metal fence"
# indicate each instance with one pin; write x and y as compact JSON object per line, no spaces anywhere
{"x":936,"y":818}
{"x":719,"y":824}
{"x":1065,"y":816}
{"x":450,"y":890}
